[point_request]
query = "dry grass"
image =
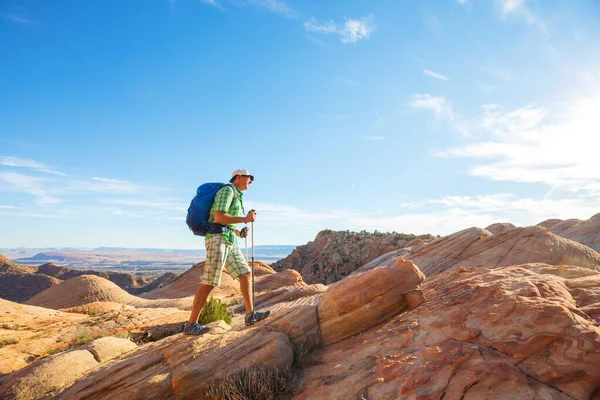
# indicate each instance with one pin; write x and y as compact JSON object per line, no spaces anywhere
{"x":253,"y":383}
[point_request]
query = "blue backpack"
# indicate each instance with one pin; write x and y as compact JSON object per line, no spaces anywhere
{"x":199,"y":210}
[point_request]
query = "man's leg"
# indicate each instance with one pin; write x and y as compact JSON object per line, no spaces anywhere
{"x":199,"y":301}
{"x":245,"y":288}
{"x":238,"y":268}
{"x":216,"y":254}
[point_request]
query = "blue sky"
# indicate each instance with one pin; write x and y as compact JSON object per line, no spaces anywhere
{"x":415,"y":116}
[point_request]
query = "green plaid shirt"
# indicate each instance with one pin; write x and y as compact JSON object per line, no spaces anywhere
{"x":229,"y":200}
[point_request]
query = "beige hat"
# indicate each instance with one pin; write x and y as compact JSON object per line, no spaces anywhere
{"x":241,"y":172}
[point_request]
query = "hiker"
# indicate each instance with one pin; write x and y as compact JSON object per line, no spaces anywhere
{"x":222,"y":250}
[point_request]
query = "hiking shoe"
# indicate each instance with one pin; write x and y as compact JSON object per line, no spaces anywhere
{"x":194,"y":329}
{"x":256,"y":316}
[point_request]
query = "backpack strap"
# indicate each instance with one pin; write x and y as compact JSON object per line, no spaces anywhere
{"x":214,"y":227}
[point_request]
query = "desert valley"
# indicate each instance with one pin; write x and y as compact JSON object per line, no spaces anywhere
{"x":501,"y":312}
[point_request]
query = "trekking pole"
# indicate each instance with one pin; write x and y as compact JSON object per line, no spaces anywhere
{"x":253,"y":310}
{"x":246,"y":242}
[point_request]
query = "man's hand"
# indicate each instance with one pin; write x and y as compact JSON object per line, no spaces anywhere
{"x":251,"y":217}
{"x":244,"y":232}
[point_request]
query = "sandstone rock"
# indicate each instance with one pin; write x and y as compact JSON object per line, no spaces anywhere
{"x":563,"y":226}
{"x":501,"y":333}
{"x":334,"y":255}
{"x":107,"y":348}
{"x":476,"y":247}
{"x":22,"y":286}
{"x":181,"y":366}
{"x":585,"y":232}
{"x":90,"y":288}
{"x":549,"y":223}
{"x":500,"y":227}
{"x":362,"y":301}
{"x":300,"y":324}
{"x":287,"y":277}
{"x":47,"y":376}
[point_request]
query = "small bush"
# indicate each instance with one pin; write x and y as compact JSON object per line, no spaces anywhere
{"x":50,"y":351}
{"x":6,"y":342}
{"x":15,"y":327}
{"x":82,"y":340}
{"x":255,"y":383}
{"x":91,"y":312}
{"x":214,"y":310}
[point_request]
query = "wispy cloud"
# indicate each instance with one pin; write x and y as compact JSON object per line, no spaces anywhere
{"x":211,"y":3}
{"x":524,"y":145}
{"x":346,"y":81}
{"x":350,"y":32}
{"x":519,"y":8}
{"x":439,"y":105}
{"x":312,"y":25}
{"x":279,"y":7}
{"x":35,"y":186}
{"x":26,"y":163}
{"x":522,"y":211}
{"x":16,"y":18}
{"x":355,"y":30}
{"x":435,"y":75}
{"x":442,"y":108}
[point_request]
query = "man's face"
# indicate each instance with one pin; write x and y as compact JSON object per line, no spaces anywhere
{"x":244,"y":181}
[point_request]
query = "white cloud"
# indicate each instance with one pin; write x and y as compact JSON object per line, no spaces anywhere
{"x":276,"y":6}
{"x":211,"y":3}
{"x":279,"y":7}
{"x":346,"y":81}
{"x":26,"y":163}
{"x":355,"y":30}
{"x":435,"y":75}
{"x":509,"y":6}
{"x":439,"y":105}
{"x":350,"y":32}
{"x":312,"y":25}
{"x":35,"y":186}
{"x":523,"y":146}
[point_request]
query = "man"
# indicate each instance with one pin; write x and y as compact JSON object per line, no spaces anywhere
{"x":222,"y":250}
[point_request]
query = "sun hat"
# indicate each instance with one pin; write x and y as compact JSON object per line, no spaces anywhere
{"x":240,"y":172}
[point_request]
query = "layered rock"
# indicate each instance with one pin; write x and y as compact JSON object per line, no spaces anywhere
{"x":334,"y":255}
{"x":364,"y":300}
{"x":90,"y":288}
{"x":39,"y":332}
{"x":503,"y":333}
{"x":182,"y":367}
{"x":49,"y":376}
{"x":476,"y":247}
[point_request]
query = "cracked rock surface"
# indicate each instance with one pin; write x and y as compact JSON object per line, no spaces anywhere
{"x":514,"y":332}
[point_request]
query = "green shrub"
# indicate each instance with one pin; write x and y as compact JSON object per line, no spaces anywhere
{"x":6,"y":342}
{"x":255,"y":383}
{"x":91,"y":312}
{"x":214,"y":310}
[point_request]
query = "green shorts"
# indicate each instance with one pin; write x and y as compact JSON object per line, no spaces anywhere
{"x":219,"y":254}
